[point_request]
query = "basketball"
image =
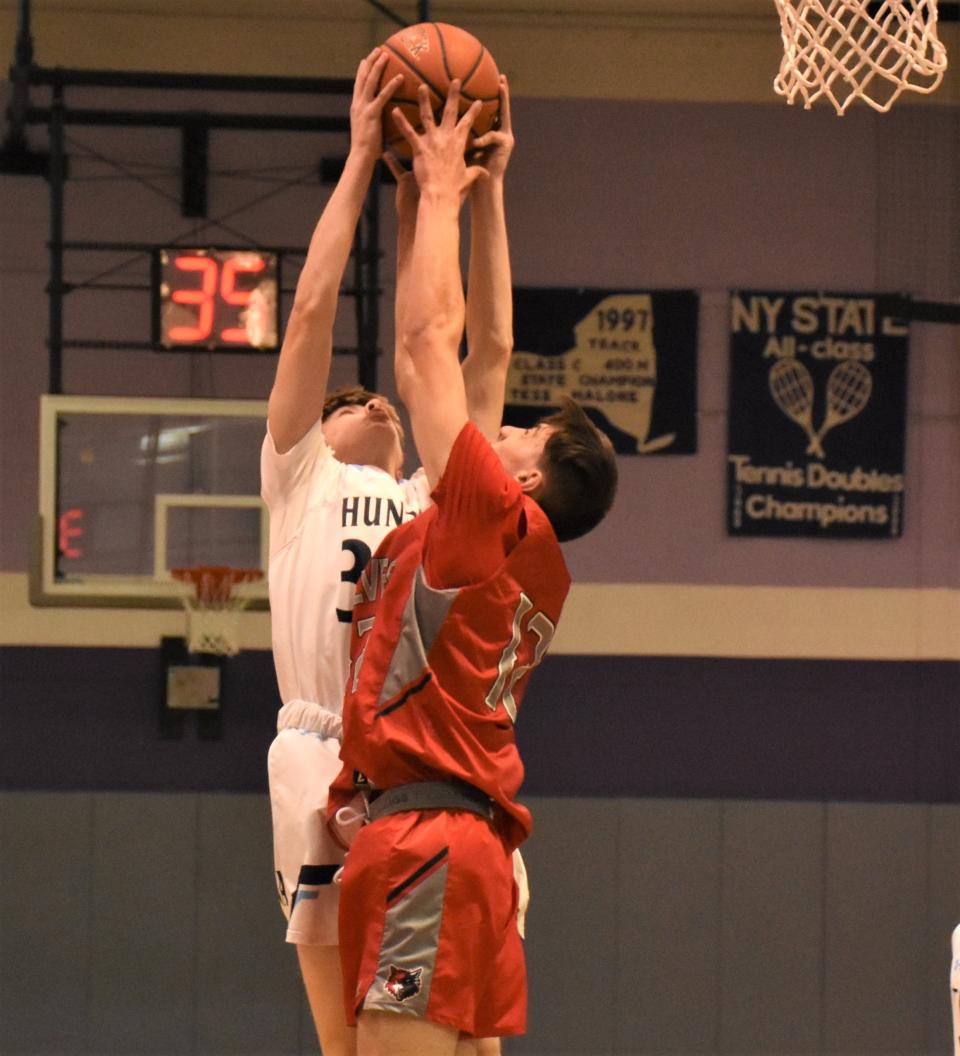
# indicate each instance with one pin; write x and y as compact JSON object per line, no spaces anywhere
{"x":434,"y":54}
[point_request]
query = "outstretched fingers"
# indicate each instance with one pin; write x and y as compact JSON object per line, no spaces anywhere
{"x":369,"y":84}
{"x":470,"y":115}
{"x":504,"y":126}
{"x":407,"y":130}
{"x":374,"y":74}
{"x":506,"y":121}
{"x":365,"y":62}
{"x":451,"y":108}
{"x":363,"y":78}
{"x":387,"y":90}
{"x":427,"y":120}
{"x":452,"y":123}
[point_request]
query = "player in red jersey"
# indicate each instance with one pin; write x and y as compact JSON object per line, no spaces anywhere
{"x":451,"y":614}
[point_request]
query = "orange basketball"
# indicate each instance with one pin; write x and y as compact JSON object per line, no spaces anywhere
{"x":436,"y":53}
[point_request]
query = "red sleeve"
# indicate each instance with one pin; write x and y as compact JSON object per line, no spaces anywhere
{"x":479,"y":516}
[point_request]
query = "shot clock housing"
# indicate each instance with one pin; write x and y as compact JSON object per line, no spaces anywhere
{"x":216,"y":299}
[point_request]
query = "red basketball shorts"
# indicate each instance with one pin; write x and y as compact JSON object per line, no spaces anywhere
{"x":428,"y":923}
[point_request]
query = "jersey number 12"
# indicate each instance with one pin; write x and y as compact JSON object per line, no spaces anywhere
{"x":508,"y":674}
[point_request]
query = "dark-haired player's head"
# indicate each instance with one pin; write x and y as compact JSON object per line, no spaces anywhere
{"x":363,"y":428}
{"x":567,"y":465}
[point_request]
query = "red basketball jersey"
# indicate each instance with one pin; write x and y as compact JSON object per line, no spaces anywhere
{"x":437,"y":675}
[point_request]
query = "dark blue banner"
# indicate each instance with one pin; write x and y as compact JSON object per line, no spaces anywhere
{"x":817,"y":415}
{"x":630,"y":358}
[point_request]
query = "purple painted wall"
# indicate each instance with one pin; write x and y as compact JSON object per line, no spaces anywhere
{"x":616,"y":194}
{"x":611,"y":726}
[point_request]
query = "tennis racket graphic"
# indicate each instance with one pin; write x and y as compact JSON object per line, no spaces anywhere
{"x":792,"y":390}
{"x":848,"y":391}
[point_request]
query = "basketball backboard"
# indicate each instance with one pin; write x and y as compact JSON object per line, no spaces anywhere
{"x":132,"y":487}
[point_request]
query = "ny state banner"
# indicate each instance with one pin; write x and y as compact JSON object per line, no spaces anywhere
{"x":817,"y":415}
{"x":629,"y":358}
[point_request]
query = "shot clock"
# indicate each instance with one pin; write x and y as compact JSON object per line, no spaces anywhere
{"x":216,"y":299}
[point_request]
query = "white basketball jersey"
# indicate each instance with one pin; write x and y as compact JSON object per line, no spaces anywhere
{"x":326,"y":519}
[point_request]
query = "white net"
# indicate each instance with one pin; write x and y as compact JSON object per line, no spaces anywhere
{"x":213,"y":629}
{"x":214,"y":607}
{"x":844,"y":50}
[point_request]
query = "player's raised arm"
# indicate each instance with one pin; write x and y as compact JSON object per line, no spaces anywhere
{"x":407,"y":198}
{"x":428,"y":373}
{"x":489,"y":310}
{"x":300,"y":385}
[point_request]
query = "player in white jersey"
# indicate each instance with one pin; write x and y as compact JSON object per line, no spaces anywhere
{"x":326,"y":519}
{"x":330,"y":469}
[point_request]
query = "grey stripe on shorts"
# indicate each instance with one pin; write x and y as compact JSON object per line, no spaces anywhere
{"x":408,"y":953}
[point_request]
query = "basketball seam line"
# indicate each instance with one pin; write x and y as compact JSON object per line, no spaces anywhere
{"x":476,"y":65}
{"x":410,"y":66}
{"x":443,"y":52}
{"x":446,"y":65}
{"x":482,"y":98}
{"x":463,"y":83}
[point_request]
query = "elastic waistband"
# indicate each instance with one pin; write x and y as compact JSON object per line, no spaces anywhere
{"x":430,"y":795}
{"x":308,"y":715}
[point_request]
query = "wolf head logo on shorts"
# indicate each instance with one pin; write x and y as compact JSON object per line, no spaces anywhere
{"x":402,"y":984}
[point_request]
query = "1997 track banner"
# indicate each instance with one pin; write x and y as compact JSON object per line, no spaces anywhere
{"x":628,"y":357}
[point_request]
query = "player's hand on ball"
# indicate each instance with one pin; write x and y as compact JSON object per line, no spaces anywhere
{"x":493,"y":149}
{"x":438,"y":151}
{"x":366,"y":108}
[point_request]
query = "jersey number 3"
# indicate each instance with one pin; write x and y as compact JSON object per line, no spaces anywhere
{"x":351,"y":575}
{"x":508,"y":673}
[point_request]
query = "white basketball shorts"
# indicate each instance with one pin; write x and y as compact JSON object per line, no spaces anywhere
{"x":523,"y":890}
{"x":303,"y":759}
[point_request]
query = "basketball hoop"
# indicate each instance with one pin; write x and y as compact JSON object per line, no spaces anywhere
{"x":853,"y":49}
{"x":213,"y":609}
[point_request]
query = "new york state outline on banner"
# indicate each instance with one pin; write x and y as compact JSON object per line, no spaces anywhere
{"x":613,"y":367}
